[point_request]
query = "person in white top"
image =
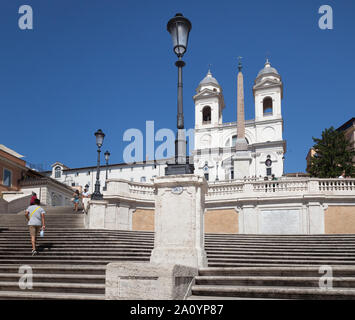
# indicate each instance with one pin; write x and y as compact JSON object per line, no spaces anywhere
{"x":342,"y":175}
{"x":35,"y":217}
{"x":86,"y":198}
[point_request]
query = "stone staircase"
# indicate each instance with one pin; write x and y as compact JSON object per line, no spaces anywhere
{"x":71,"y":262}
{"x":276,"y":267}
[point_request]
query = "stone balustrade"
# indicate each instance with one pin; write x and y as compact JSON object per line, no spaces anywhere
{"x":240,"y":188}
{"x":306,"y":205}
{"x":336,"y":185}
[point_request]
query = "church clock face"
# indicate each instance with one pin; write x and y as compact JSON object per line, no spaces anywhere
{"x":268,"y":162}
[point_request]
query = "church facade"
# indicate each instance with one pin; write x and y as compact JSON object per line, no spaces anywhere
{"x":215,"y":141}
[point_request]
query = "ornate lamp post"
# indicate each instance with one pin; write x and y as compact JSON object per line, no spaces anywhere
{"x":97,"y":195}
{"x":179,"y":28}
{"x":107,"y":157}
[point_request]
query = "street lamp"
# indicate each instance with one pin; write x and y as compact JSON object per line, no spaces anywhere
{"x":97,"y":195}
{"x":107,"y":157}
{"x":179,"y":28}
{"x":217,"y":159}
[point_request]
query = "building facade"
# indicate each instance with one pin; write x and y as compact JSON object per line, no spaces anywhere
{"x":12,"y":169}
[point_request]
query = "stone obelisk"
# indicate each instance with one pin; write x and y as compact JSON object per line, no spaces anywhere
{"x":241,"y":144}
{"x":242,"y":158}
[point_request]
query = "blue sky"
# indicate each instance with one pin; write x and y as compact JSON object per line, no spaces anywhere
{"x":92,"y":64}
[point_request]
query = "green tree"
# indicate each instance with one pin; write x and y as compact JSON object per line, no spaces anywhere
{"x":334,"y":154}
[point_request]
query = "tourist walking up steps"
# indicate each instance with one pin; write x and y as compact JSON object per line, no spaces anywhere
{"x":33,"y":198}
{"x":76,"y":199}
{"x":35,"y":217}
{"x":85,"y":199}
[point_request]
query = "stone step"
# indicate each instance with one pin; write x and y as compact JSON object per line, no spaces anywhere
{"x":56,"y":278}
{"x":279,"y":252}
{"x":278,"y":243}
{"x":75,"y":250}
{"x":76,"y":256}
{"x":28,"y":295}
{"x":279,"y":259}
{"x":208,"y":246}
{"x":290,"y":263}
{"x":271,"y":236}
{"x":58,"y":287}
{"x":310,"y":271}
{"x":325,"y":251}
{"x":275,"y":292}
{"x":278,"y":281}
{"x":280,"y":255}
{"x":60,"y":260}
{"x":64,"y":253}
{"x":43,"y":246}
{"x":101,"y":242}
{"x":48,"y":269}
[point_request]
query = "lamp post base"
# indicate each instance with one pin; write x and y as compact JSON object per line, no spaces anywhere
{"x":177,"y":169}
{"x":97,"y":196}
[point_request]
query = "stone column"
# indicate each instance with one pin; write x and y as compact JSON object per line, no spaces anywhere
{"x":179,"y":221}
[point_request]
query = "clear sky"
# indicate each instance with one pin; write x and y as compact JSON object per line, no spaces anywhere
{"x":108,"y":64}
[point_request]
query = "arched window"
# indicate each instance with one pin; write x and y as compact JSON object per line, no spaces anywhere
{"x":234,"y":140}
{"x":206,"y":115}
{"x":57,"y":172}
{"x":267,"y":106}
{"x":143,"y":179}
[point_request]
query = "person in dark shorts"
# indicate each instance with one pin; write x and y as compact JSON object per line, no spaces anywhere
{"x":35,"y":217}
{"x":76,"y":199}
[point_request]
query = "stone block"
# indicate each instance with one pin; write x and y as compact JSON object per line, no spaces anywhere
{"x":146,"y":281}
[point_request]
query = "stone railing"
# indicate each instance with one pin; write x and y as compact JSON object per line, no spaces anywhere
{"x":336,"y":185}
{"x":238,"y":189}
{"x":141,"y":188}
{"x":230,"y":188}
{"x":15,"y":205}
{"x":130,"y":191}
{"x":280,"y":186}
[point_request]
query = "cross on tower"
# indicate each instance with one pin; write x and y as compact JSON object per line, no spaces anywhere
{"x":240,"y":63}
{"x":268,"y":56}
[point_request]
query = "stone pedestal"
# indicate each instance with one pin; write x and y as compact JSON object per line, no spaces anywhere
{"x":111,"y":216}
{"x":241,"y":163}
{"x":95,"y":218}
{"x":179,"y":221}
{"x":146,"y":281}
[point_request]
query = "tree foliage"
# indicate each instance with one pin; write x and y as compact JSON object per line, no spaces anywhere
{"x":334,"y":155}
